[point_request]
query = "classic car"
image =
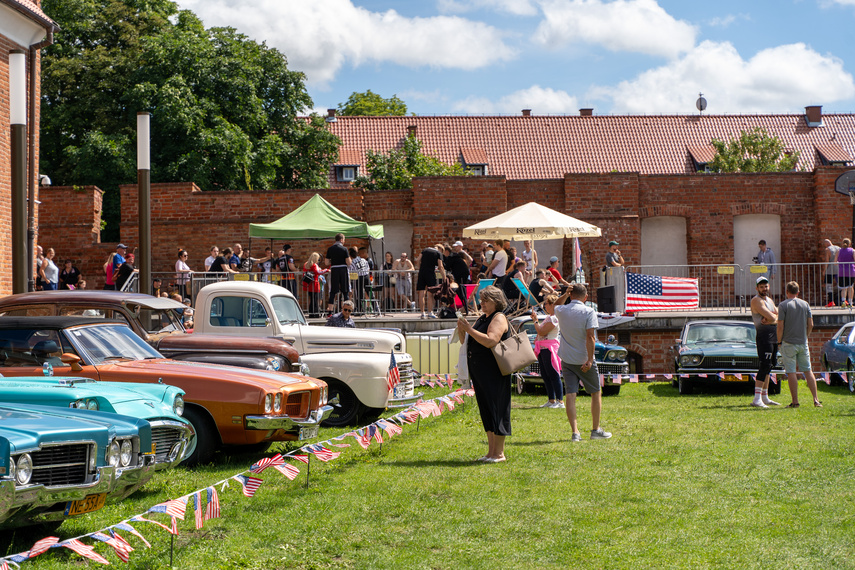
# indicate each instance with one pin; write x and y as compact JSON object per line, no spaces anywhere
{"x":706,"y":348}
{"x":227,"y":405}
{"x":156,"y":319}
{"x":354,"y":362}
{"x":610,"y":358}
{"x":838,"y":353}
{"x":57,"y":463}
{"x":173,"y":437}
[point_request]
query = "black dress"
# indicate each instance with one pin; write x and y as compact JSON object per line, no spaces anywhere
{"x":492,"y":390}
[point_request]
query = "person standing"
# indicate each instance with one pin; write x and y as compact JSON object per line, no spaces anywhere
{"x":613,"y":256}
{"x":492,"y":388}
{"x":50,"y":272}
{"x":234,"y":261}
{"x":430,"y":261}
{"x":388,"y":281}
{"x":221,"y":263}
{"x":795,"y":324}
{"x":499,"y":265}
{"x":69,"y":276}
{"x":846,"y":272}
{"x":209,"y":261}
{"x":578,"y":325}
{"x":312,"y":283}
{"x":529,"y":255}
{"x":829,"y":268}
{"x":337,"y":259}
{"x":265,"y":264}
{"x":359,"y":265}
{"x":546,"y":348}
{"x":125,"y":271}
{"x":767,"y":257}
{"x":288,"y":269}
{"x":182,"y":273}
{"x":765,"y":317}
{"x":404,"y":280}
{"x":457,"y":262}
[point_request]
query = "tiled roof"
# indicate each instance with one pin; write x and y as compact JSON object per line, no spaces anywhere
{"x":833,"y":152}
{"x":474,"y":156}
{"x":702,"y":154}
{"x":30,"y":9}
{"x":538,"y":147}
{"x":349,"y":157}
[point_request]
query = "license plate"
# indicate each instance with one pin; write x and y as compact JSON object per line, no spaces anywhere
{"x":309,"y":432}
{"x":89,"y":504}
{"x":732,"y":378}
{"x":399,"y":392}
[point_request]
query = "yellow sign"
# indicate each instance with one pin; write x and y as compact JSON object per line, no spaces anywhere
{"x":759,"y":269}
{"x":87,"y":505}
{"x":241,"y":277}
{"x":725,"y":269}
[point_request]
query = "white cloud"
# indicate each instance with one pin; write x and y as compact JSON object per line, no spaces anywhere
{"x":725,"y":21}
{"x":541,"y":100}
{"x":841,"y":2}
{"x":320,"y":37}
{"x":621,"y":25}
{"x":783,"y":78}
{"x":516,"y":7}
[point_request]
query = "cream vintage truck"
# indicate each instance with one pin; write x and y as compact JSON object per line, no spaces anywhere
{"x":353,"y":362}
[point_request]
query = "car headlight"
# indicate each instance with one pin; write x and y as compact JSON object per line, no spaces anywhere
{"x":325,"y":392}
{"x":79,"y":404}
{"x":274,"y":363}
{"x":304,"y":369}
{"x":615,"y":355}
{"x":23,"y":469}
{"x":92,"y":404}
{"x":268,"y":403}
{"x":178,"y":405}
{"x":277,"y":403}
{"x":113,"y":452}
{"x":125,"y":453}
{"x":690,"y":360}
{"x":92,"y":462}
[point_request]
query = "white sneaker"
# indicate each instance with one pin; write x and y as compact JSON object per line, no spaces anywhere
{"x":560,"y":405}
{"x":547,"y":405}
{"x":432,"y":315}
{"x":600,"y":433}
{"x":769,"y":402}
{"x":577,"y":437}
{"x":758,"y":404}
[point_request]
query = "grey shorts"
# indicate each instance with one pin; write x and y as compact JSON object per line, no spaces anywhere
{"x":572,"y":374}
{"x":404,"y":286}
{"x":795,"y":355}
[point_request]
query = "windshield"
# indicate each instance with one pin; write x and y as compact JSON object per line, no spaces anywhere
{"x":97,"y":344}
{"x":287,"y":310}
{"x":721,"y":333}
{"x":159,"y":320}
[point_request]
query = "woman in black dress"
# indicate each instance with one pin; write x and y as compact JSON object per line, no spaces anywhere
{"x":492,"y":389}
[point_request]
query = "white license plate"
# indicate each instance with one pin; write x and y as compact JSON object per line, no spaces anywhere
{"x":309,"y":432}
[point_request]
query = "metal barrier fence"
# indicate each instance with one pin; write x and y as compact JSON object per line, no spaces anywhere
{"x":731,"y":286}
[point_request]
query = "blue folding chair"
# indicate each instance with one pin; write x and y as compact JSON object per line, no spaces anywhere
{"x":526,"y":296}
{"x":482,"y":284}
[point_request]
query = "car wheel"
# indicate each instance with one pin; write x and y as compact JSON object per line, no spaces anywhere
{"x":207,"y":439}
{"x":370,"y":415}
{"x":348,"y":406}
{"x":611,"y":390}
{"x":684,"y":386}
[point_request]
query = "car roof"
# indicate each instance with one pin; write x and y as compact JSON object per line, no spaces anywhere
{"x":720,"y":322}
{"x":110,"y":297}
{"x":55,"y":323}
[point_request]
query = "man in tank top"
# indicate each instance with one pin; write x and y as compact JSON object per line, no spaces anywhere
{"x":765,"y":316}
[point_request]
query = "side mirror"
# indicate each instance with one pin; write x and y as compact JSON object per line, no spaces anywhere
{"x":72,"y":360}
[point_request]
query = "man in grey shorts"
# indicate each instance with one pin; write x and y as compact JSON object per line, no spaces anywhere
{"x":578,"y":324}
{"x":795,"y":323}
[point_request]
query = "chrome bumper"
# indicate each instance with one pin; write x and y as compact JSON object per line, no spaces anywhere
{"x":186,"y":443}
{"x":287,"y":423}
{"x":129,"y":479}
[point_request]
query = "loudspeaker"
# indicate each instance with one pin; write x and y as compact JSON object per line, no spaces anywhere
{"x":606,"y":299}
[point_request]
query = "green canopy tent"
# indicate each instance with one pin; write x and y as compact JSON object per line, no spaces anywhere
{"x":315,"y":219}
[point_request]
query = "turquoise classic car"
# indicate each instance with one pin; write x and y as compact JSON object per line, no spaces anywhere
{"x":58,"y":463}
{"x":173,"y":437}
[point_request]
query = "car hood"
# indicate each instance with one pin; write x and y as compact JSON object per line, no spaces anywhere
{"x":27,"y":427}
{"x":720,"y":349}
{"x":169,"y":368}
{"x":75,"y":388}
{"x":325,"y":339}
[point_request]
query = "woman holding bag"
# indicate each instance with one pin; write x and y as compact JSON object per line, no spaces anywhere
{"x":492,"y":389}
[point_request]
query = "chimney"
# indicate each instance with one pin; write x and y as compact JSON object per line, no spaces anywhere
{"x":586,"y":112}
{"x":813,"y":115}
{"x":411,"y":131}
{"x":330,"y":118}
{"x":526,"y":112}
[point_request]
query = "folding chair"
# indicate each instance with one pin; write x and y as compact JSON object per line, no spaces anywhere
{"x":525,"y":300}
{"x":482,"y":284}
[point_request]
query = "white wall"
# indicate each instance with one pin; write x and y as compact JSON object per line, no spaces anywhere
{"x":663,"y":241}
{"x":398,"y":237}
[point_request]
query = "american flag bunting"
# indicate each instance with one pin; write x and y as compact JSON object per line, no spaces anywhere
{"x":250,"y":484}
{"x":130,"y":529}
{"x":393,"y":376}
{"x":198,"y":517}
{"x":267,"y":462}
{"x":303,"y":458}
{"x":288,"y":470}
{"x":321,"y":452}
{"x":212,"y":511}
{"x":84,"y":550}
{"x":41,"y":546}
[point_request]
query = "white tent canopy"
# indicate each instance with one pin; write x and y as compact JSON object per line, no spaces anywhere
{"x":533,"y":222}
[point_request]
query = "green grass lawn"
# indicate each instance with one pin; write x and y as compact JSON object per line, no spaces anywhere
{"x":686,"y":481}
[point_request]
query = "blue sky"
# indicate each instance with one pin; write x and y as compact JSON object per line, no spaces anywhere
{"x":556,"y":56}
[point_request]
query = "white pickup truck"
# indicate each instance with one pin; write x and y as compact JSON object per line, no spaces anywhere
{"x":354,"y":362}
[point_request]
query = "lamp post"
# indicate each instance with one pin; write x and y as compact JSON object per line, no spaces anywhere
{"x":144,"y":185}
{"x":18,"y":121}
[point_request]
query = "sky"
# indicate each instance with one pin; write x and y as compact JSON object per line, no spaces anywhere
{"x":497,"y":57}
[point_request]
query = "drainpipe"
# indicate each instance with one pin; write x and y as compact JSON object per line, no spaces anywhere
{"x":31,"y":183}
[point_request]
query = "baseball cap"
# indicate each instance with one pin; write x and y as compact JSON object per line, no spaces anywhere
{"x":457,"y":243}
{"x":121,"y":246}
{"x":553,"y":259}
{"x":762,"y":279}
{"x":613,"y":242}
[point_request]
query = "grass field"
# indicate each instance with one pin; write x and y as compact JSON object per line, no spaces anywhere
{"x":686,"y":482}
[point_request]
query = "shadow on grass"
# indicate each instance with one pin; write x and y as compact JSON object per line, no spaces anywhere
{"x":436,"y":463}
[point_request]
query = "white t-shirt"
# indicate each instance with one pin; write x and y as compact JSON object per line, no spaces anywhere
{"x":553,"y":334}
{"x":502,"y":256}
{"x":209,"y":261}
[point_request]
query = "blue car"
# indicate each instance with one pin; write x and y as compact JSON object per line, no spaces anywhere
{"x":59,"y":463}
{"x":838,"y":353}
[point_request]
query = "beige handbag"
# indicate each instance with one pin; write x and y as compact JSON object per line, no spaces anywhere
{"x":514,"y":353}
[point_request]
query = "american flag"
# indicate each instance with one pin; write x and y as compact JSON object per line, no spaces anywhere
{"x":303,"y":458}
{"x":288,"y":470}
{"x":362,"y":437}
{"x":393,"y":376}
{"x":197,"y":509}
{"x":122,"y":548}
{"x":130,"y":529}
{"x":322,"y":452}
{"x":654,"y":293}
{"x":267,"y":462}
{"x":84,"y":550}
{"x":212,"y":511}
{"x":173,"y":508}
{"x":375,"y":433}
{"x":250,"y":484}
{"x":42,"y":546}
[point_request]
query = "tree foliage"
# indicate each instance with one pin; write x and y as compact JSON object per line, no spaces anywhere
{"x":754,"y":151}
{"x":372,"y":105}
{"x":396,"y":169}
{"x":224,"y":108}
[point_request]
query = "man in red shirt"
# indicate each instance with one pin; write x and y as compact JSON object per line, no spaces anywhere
{"x":552,"y":270}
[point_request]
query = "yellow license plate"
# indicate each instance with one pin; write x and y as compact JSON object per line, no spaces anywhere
{"x":732,"y":378}
{"x":89,"y":504}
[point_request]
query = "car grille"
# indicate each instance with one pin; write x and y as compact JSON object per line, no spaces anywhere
{"x":297,"y":405}
{"x":405,"y":370}
{"x":609,"y":368}
{"x":163,"y":438}
{"x":59,"y":465}
{"x":731,"y":363}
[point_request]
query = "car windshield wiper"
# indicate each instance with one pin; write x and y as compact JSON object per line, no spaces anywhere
{"x":116,"y":357}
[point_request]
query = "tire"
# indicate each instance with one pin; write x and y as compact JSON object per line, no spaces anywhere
{"x":684,"y":386}
{"x":348,"y":407}
{"x":370,"y":415}
{"x":611,"y":390}
{"x":207,"y":436}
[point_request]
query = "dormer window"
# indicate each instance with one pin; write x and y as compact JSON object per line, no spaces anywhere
{"x":346,"y":173}
{"x":701,"y":157}
{"x":474,"y":160}
{"x":477,"y":169}
{"x":347,"y":166}
{"x":832,"y":154}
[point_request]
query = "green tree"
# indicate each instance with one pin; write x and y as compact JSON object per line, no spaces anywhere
{"x":224,"y":108}
{"x":752,"y":151}
{"x":396,"y":170}
{"x":373,"y":105}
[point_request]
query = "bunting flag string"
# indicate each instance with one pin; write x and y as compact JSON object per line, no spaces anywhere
{"x":176,"y":508}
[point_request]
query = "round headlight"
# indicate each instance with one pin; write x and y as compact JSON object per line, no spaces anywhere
{"x":126,"y":453}
{"x":178,"y":405}
{"x":92,"y":404}
{"x":277,"y":403}
{"x":80,"y":404}
{"x":113,"y":454}
{"x":23,"y":469}
{"x":611,"y":355}
{"x":268,"y":403}
{"x":620,"y":355}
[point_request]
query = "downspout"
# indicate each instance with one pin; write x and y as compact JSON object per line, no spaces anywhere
{"x":31,"y":186}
